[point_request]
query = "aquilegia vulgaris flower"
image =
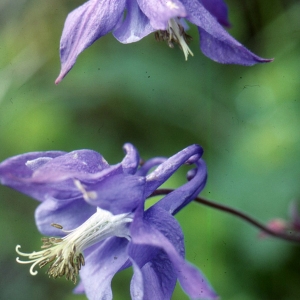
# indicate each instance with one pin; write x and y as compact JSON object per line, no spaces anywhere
{"x":131,"y":20}
{"x":99,"y":224}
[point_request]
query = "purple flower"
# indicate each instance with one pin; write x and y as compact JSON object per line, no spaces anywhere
{"x":98,"y":217}
{"x":96,"y":18}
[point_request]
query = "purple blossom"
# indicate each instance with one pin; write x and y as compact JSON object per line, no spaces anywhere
{"x":96,"y":18}
{"x":98,"y":217}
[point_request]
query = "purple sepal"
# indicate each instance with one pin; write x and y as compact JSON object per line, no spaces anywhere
{"x":215,"y":41}
{"x":161,"y":232}
{"x":84,"y":26}
{"x":102,"y":262}
{"x":218,"y":9}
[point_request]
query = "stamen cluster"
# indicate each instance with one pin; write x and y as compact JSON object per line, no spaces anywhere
{"x":63,"y":258}
{"x":65,"y":254}
{"x":175,"y":34}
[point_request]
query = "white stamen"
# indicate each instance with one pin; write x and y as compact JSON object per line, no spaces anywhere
{"x":65,"y":254}
{"x":177,"y":34}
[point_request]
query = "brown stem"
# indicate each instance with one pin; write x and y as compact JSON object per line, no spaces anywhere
{"x":237,"y":213}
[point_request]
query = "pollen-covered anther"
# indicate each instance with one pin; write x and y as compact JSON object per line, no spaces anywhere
{"x":175,"y":33}
{"x":62,"y":259}
{"x":64,"y":255}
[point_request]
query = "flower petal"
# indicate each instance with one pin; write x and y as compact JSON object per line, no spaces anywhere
{"x":160,"y":11}
{"x":155,"y":280}
{"x":159,"y":229}
{"x":131,"y":161}
{"x":120,"y":193}
{"x":135,"y":27}
{"x":227,"y":51}
{"x":183,"y":195}
{"x":154,"y":274}
{"x":77,"y":164}
{"x":101,"y":264}
{"x":215,"y":42}
{"x":218,"y":9}
{"x":17,"y":171}
{"x":167,"y":168}
{"x":84,"y":26}
{"x":68,"y":213}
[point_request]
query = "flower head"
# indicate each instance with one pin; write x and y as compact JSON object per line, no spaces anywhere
{"x":99,"y":224}
{"x":96,"y":18}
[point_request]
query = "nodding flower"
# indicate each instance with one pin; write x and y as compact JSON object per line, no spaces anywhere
{"x":132,"y":20}
{"x":99,"y":222}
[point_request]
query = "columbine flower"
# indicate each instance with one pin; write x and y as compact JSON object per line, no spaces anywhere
{"x":99,"y":222}
{"x":96,"y":18}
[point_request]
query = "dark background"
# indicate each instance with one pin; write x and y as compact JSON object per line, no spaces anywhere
{"x":246,"y":119}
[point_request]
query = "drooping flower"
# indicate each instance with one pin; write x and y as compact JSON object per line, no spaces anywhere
{"x":99,"y":224}
{"x":96,"y":18}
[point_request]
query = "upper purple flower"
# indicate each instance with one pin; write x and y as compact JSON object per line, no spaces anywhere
{"x":98,"y":211}
{"x":96,"y":18}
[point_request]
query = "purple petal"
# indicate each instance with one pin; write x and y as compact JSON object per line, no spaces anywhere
{"x":76,"y":164}
{"x":149,"y":164}
{"x":215,"y":42}
{"x":154,"y":274}
{"x":144,"y":233}
{"x":68,"y":213}
{"x":155,"y":280}
{"x":218,"y":9}
{"x":166,"y":169}
{"x":131,"y":161}
{"x":119,"y":193}
{"x":183,"y":195}
{"x":160,"y":11}
{"x":135,"y":27}
{"x":16,"y":172}
{"x":227,"y":51}
{"x":22,"y":166}
{"x":84,"y":26}
{"x":101,"y":265}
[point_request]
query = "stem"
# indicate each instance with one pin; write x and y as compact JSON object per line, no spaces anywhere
{"x":236,"y":213}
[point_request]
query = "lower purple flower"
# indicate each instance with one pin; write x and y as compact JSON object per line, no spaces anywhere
{"x":99,"y":222}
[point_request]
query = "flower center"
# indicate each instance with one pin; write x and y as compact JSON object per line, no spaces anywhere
{"x":65,"y":254}
{"x":175,"y":34}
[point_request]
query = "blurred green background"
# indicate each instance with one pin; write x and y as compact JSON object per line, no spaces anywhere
{"x":246,"y":118}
